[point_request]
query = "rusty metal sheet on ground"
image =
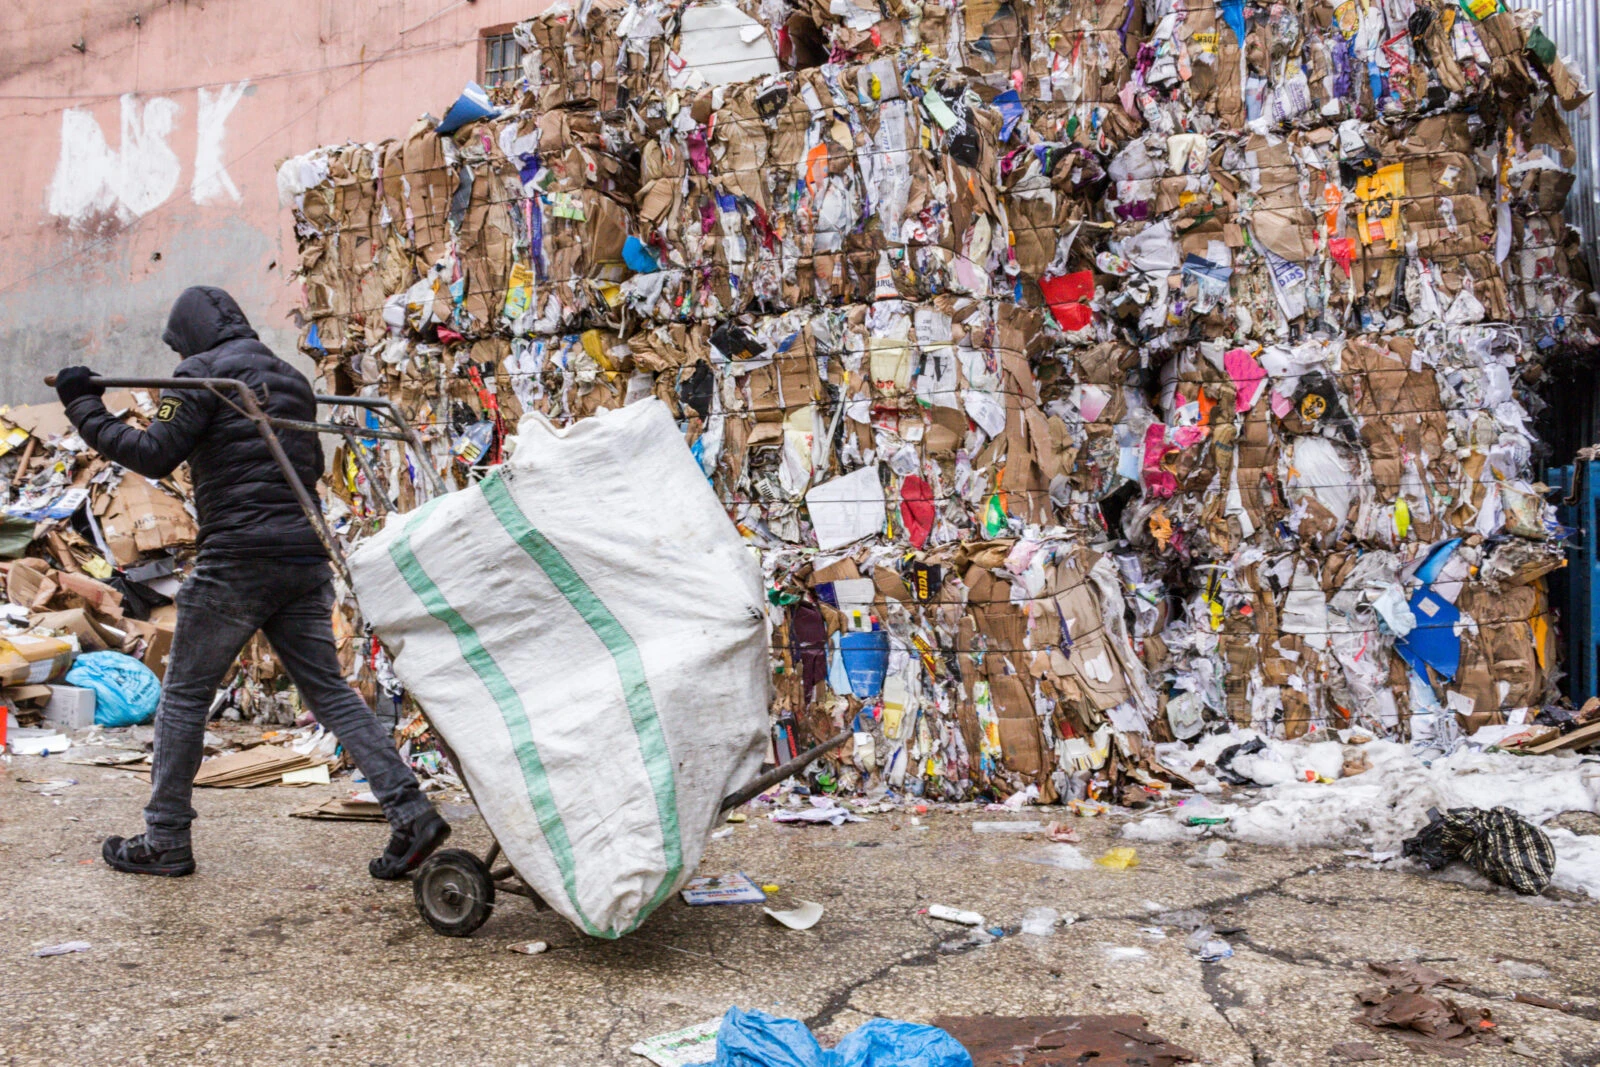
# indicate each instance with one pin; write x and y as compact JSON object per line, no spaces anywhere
{"x":1057,"y":1040}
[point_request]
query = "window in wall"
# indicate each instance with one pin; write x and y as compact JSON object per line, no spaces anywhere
{"x":502,"y":60}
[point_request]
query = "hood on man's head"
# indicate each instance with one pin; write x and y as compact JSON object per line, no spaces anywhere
{"x":202,"y":318}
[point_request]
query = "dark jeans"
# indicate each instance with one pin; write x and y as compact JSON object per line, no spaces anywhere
{"x":221,"y":605}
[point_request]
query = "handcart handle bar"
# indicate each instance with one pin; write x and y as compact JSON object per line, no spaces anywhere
{"x":268,"y":425}
{"x":784,"y":770}
{"x":385,"y":407}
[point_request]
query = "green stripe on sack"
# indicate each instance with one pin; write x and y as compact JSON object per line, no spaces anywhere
{"x":630,"y":671}
{"x":511,"y":710}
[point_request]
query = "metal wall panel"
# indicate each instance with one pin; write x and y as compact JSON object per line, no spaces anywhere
{"x":1574,"y":25}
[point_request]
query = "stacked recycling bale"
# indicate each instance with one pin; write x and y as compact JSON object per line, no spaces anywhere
{"x":1125,"y":364}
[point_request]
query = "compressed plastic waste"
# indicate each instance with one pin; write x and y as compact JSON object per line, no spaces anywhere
{"x":126,"y":691}
{"x":1098,"y":373}
{"x":756,"y":1039}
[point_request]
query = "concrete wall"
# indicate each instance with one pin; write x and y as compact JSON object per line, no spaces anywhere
{"x":143,"y":141}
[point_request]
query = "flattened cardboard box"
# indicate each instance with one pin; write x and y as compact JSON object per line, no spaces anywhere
{"x":91,"y":636}
{"x":138,"y":518}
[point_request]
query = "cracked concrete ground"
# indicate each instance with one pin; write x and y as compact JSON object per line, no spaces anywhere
{"x":282,"y":949}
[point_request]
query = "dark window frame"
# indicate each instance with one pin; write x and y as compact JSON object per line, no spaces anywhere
{"x":499,"y":57}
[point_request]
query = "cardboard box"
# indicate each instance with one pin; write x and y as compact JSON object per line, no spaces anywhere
{"x":30,"y":583}
{"x":94,"y":594}
{"x":70,"y":708}
{"x":92,"y":637}
{"x":156,"y":633}
{"x":29,"y":660}
{"x":139,"y":517}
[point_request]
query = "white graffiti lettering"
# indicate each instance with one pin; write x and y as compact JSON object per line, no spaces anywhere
{"x":211,"y":179}
{"x":94,"y":181}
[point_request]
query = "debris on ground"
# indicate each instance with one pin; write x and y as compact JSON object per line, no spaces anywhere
{"x":250,"y":767}
{"x":341,"y":810}
{"x":529,"y":948}
{"x":1207,"y":946}
{"x":1390,"y":800}
{"x":954,"y":915}
{"x":756,"y":1039}
{"x":1066,"y":857}
{"x":33,"y":742}
{"x":1119,"y":859}
{"x":1040,"y":922}
{"x":63,"y":949}
{"x":1060,"y":1040}
{"x":1405,"y":1006}
{"x":821,"y":810}
{"x":692,"y":1045}
{"x":803,"y":916}
{"x":126,"y":692}
{"x":1499,"y":844}
{"x":722,"y":889}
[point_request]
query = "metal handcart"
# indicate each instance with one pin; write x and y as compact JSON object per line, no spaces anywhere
{"x":454,"y":888}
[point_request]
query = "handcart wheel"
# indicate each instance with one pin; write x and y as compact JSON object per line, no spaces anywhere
{"x":454,"y":892}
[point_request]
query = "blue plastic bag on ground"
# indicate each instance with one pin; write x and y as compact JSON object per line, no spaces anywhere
{"x":887,"y":1043}
{"x":756,"y":1039}
{"x":126,"y":692}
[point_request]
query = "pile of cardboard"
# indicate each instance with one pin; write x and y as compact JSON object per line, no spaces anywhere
{"x":1564,"y":733}
{"x":90,"y":555}
{"x":56,"y":615}
{"x":1085,"y":371}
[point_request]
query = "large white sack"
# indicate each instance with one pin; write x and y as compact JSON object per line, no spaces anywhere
{"x":585,"y":629}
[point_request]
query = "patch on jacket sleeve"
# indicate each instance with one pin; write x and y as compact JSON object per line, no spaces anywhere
{"x":169,"y":408}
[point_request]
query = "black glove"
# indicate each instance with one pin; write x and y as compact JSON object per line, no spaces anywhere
{"x":73,"y":382}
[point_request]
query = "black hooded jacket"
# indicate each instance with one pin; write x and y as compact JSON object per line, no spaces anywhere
{"x":246,"y":507}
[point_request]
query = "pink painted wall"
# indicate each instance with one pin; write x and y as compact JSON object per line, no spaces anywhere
{"x":146,"y":162}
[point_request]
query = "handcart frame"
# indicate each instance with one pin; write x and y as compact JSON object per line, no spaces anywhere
{"x":454,"y":889}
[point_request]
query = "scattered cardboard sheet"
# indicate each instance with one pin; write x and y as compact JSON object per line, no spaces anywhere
{"x":261,"y":765}
{"x":338,"y":810}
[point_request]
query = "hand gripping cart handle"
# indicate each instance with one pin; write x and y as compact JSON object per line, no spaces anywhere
{"x":454,"y":888}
